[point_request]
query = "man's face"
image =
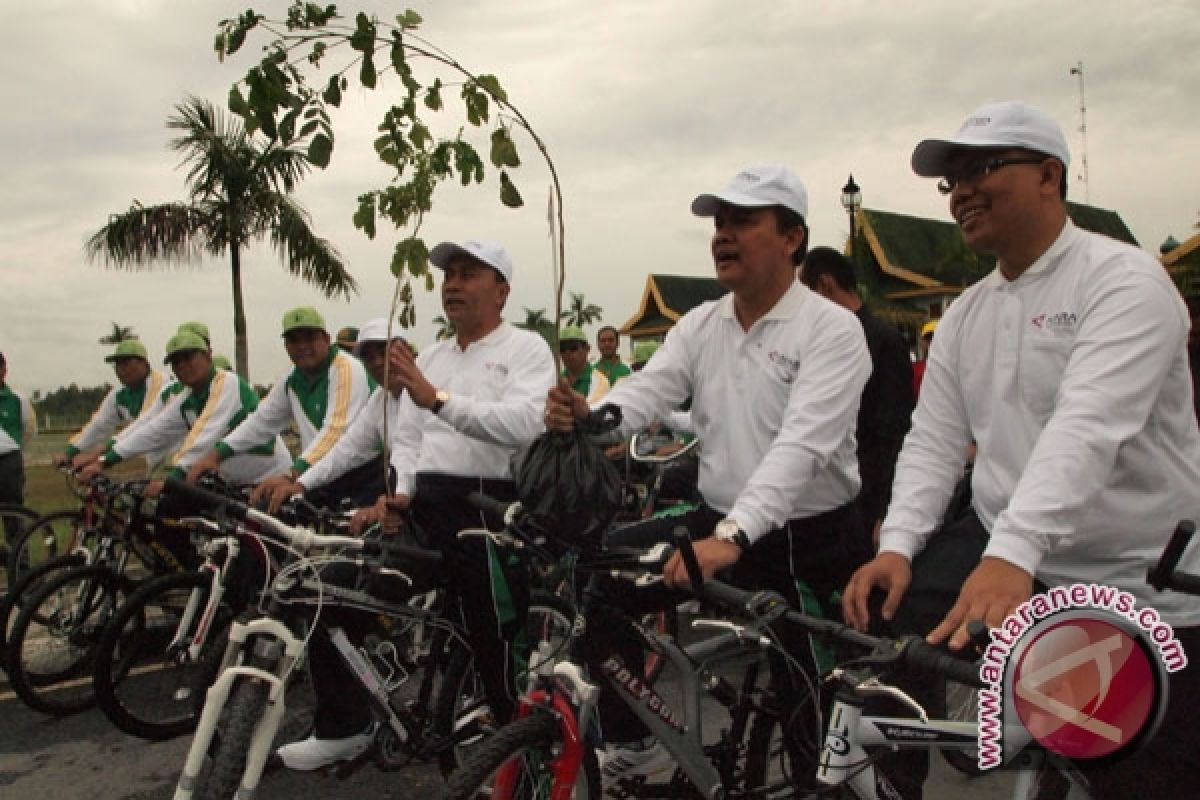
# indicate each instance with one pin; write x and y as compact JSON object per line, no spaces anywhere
{"x":473,"y":294}
{"x":308,"y":348}
{"x":574,"y":356}
{"x":998,"y":206}
{"x":748,"y":249}
{"x":192,"y":367}
{"x":607,"y":342}
{"x":131,"y":371}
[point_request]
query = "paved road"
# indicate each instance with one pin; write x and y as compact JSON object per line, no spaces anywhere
{"x":85,"y":758}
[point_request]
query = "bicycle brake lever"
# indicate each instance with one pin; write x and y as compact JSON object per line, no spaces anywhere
{"x":740,"y":631}
{"x":499,"y":538}
{"x":871,"y":687}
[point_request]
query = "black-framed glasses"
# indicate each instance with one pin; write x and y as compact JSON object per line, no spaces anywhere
{"x":973,"y":173}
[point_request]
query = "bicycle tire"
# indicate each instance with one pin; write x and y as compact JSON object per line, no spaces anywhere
{"x":50,"y":662}
{"x":14,"y":521}
{"x":58,"y":527}
{"x":29,"y":584}
{"x":962,"y":704}
{"x":533,"y":739}
{"x":144,"y":690}
{"x":235,"y":728}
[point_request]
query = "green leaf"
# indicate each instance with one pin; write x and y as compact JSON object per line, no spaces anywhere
{"x":333,"y":92}
{"x":508,"y":192}
{"x":399,"y":61}
{"x":237,"y":103}
{"x":418,"y":257}
{"x":419,"y":136}
{"x":363,"y":39}
{"x":364,"y":217}
{"x":433,"y":95}
{"x":409,"y":19}
{"x":319,"y":150}
{"x":504,"y":150}
{"x":366,"y":75}
{"x":492,"y":84}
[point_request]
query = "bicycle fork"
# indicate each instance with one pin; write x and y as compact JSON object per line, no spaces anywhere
{"x":282,"y":647}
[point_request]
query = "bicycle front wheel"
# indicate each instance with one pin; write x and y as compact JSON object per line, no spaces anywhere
{"x":15,"y":519}
{"x":52,"y":649}
{"x":147,"y":680}
{"x":23,"y":590}
{"x":44,"y":538}
{"x":530,"y":746}
{"x":235,"y":729}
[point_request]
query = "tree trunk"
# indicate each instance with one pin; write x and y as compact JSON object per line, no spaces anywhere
{"x":241,"y":354}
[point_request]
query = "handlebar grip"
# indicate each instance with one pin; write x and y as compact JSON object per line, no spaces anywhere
{"x":727,"y":596}
{"x":1159,"y":576}
{"x":489,"y":505}
{"x":683,"y":543}
{"x":409,"y":553}
{"x":206,"y":498}
{"x":925,"y":657}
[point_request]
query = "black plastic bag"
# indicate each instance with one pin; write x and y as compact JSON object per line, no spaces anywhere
{"x":569,"y":486}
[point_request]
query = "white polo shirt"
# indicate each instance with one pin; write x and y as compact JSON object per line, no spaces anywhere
{"x":497,"y":389}
{"x":775,"y":407}
{"x":1074,"y":382}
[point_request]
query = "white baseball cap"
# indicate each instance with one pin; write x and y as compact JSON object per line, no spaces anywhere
{"x":491,"y":253}
{"x":756,"y":187}
{"x":994,"y":125}
{"x":375,"y":330}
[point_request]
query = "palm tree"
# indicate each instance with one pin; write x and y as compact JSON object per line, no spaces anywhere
{"x":581,"y":312}
{"x":237,"y":193}
{"x":445,"y":328}
{"x":118,"y":334}
{"x":537,"y":321}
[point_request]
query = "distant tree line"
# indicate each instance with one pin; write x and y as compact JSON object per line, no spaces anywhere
{"x":67,"y":407}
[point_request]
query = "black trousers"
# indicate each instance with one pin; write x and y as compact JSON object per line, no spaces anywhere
{"x":488,"y":593}
{"x":361,"y":486}
{"x":12,"y":484}
{"x":821,"y":551}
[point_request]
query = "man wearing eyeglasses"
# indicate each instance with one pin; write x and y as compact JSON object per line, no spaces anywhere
{"x":1068,"y":365}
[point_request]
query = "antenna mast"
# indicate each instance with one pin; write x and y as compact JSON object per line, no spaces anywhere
{"x":1078,"y":70}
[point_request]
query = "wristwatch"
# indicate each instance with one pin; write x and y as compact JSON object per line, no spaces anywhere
{"x":727,"y":530}
{"x":440,"y":398}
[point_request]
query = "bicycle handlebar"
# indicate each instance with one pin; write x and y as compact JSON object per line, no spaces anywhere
{"x":909,"y":650}
{"x":1163,"y":575}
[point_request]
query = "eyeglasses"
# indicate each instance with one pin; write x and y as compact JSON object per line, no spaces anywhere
{"x":972,"y":173}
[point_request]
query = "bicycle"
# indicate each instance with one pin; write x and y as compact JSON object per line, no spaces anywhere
{"x":237,"y":729}
{"x":59,"y":532}
{"x":548,"y":753}
{"x":49,"y":655}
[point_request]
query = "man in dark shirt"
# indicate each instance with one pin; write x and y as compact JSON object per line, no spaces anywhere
{"x":887,"y":399}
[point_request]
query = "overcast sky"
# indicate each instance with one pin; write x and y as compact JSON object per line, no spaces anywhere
{"x":642,"y":104}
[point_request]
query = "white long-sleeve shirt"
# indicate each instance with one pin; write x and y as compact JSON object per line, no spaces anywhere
{"x":361,"y":443}
{"x":775,"y":406}
{"x":322,"y":410}
{"x":192,"y":425}
{"x":497,"y":389}
{"x":1073,"y":380}
{"x":118,"y":409}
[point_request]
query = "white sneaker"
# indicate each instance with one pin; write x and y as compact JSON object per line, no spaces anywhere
{"x":313,"y":753}
{"x":645,"y":758}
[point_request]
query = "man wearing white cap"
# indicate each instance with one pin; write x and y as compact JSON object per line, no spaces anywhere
{"x":1068,"y":366}
{"x":775,"y":373}
{"x":470,"y":404}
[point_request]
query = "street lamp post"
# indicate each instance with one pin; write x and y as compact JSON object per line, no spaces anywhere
{"x":852,"y":202}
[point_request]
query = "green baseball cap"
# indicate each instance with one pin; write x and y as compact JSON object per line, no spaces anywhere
{"x":184,"y":341}
{"x":643,"y":351}
{"x":572,"y":333}
{"x":347,"y":336}
{"x":130,"y":348}
{"x":302,"y":317}
{"x":221,"y":362}
{"x":198,"y":328}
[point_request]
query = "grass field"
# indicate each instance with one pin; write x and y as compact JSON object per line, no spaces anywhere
{"x":46,"y":488}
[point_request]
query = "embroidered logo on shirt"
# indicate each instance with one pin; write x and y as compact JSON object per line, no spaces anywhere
{"x":788,"y":366}
{"x":1062,"y":322}
{"x":501,"y":369}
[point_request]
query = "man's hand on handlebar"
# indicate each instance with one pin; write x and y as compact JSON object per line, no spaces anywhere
{"x":209,"y":463}
{"x":393,"y":518}
{"x":712,"y":555}
{"x":992,"y":591}
{"x":90,"y":471}
{"x":888,"y":571}
{"x":366,"y":517}
{"x":271,"y":493}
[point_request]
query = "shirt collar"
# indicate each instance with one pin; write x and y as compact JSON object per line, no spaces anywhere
{"x":491,"y":340}
{"x":785,"y":308}
{"x":1046,"y":262}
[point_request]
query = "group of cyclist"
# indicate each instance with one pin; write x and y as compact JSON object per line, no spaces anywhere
{"x":1065,"y":372}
